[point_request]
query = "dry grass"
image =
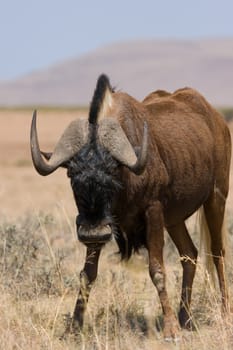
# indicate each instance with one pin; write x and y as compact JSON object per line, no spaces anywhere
{"x":40,"y":261}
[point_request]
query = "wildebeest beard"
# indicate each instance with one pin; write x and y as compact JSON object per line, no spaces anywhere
{"x":93,"y":173}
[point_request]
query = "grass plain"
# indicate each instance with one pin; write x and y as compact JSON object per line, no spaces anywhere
{"x":40,"y":261}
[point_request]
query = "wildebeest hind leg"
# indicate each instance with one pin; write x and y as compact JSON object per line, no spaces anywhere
{"x":87,"y":277}
{"x":214,"y":210}
{"x":188,"y":255}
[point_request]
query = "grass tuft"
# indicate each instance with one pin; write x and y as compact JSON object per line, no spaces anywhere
{"x":40,"y":261}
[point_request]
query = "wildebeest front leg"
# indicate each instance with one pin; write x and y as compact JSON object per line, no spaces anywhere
{"x":87,"y":277}
{"x":155,"y":244}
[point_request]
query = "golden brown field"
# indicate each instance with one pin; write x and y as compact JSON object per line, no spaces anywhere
{"x":40,"y":261}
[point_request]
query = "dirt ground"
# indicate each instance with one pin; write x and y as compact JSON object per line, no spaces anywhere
{"x":21,"y":188}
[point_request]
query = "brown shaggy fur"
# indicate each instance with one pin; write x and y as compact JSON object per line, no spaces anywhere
{"x":188,"y":166}
{"x":189,"y":151}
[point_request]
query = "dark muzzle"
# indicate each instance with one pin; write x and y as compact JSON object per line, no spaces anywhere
{"x":97,"y":235}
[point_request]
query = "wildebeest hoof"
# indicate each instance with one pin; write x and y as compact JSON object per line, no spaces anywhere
{"x":72,"y":327}
{"x":175,"y":339}
{"x":171,"y":332}
{"x":186,"y":322}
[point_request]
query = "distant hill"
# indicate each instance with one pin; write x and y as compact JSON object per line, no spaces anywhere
{"x":137,"y":67}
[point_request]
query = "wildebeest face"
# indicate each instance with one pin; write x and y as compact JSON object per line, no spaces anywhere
{"x":92,"y":149}
{"x":93,"y":173}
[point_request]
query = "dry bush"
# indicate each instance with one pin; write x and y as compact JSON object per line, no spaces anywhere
{"x":40,"y":260}
{"x":28,"y":264}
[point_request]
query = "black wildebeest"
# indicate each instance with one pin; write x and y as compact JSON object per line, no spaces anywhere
{"x":137,"y":168}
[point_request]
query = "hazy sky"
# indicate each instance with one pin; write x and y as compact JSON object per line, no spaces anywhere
{"x":35,"y":34}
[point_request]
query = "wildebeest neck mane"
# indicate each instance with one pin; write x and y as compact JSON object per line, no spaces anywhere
{"x":103,"y":85}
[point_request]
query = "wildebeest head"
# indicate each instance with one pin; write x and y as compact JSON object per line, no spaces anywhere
{"x":92,"y":150}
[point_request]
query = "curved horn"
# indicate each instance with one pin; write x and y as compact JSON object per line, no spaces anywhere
{"x":73,"y":138}
{"x":114,"y":139}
